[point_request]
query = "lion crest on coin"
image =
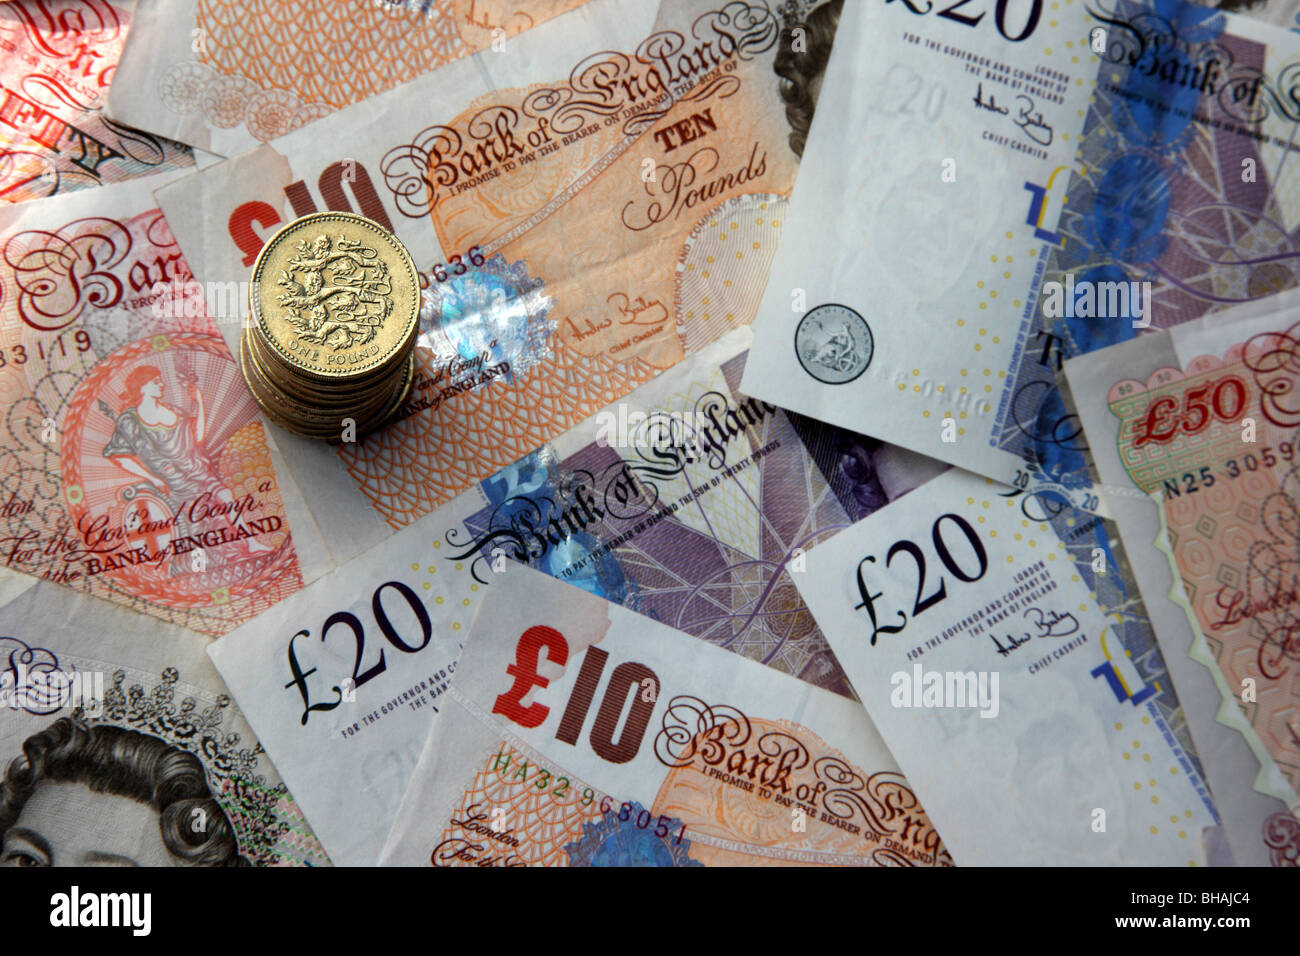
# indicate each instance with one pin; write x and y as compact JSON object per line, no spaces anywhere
{"x":337,"y":293}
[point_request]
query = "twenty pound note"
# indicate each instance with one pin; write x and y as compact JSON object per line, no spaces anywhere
{"x":690,"y":503}
{"x":1009,"y":697}
{"x":1195,"y":436}
{"x":586,"y":209}
{"x":578,"y":733}
{"x":119,"y":746}
{"x":1058,"y":178}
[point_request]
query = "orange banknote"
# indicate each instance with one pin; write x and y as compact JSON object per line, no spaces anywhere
{"x":579,"y":733}
{"x":136,"y":467}
{"x":226,"y":75}
{"x":588,"y":206}
{"x":57,"y":61}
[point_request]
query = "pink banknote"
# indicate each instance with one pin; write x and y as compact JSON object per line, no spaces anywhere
{"x":57,"y":60}
{"x":1232,"y":503}
{"x":134,"y":461}
{"x":1204,"y":420}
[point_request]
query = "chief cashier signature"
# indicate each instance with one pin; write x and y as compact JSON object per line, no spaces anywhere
{"x":1030,"y":121}
{"x":1049,"y":624}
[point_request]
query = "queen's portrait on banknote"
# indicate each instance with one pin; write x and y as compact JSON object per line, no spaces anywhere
{"x":801,"y":63}
{"x":120,"y":746}
{"x":99,"y":795}
{"x":857,"y":466}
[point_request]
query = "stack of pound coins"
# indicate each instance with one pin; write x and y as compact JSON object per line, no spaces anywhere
{"x":329,"y":348}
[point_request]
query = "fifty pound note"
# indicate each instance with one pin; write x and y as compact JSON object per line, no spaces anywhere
{"x":135,"y":463}
{"x":586,"y":210}
{"x":1058,"y":179}
{"x":57,"y":61}
{"x":1004,"y":687}
{"x":119,"y":746}
{"x":1195,"y":436}
{"x":578,"y":733}
{"x":226,"y":75}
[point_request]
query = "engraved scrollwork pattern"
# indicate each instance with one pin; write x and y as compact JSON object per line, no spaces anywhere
{"x":62,"y":274}
{"x":1282,"y":837}
{"x":1274,"y":358}
{"x":692,"y":727}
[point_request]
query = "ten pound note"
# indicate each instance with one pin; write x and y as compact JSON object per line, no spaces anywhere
{"x":135,"y":466}
{"x":1058,"y":177}
{"x":586,"y":209}
{"x":1007,"y":694}
{"x":1195,"y":436}
{"x":578,"y":733}
{"x":119,"y":746}
{"x":226,"y":75}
